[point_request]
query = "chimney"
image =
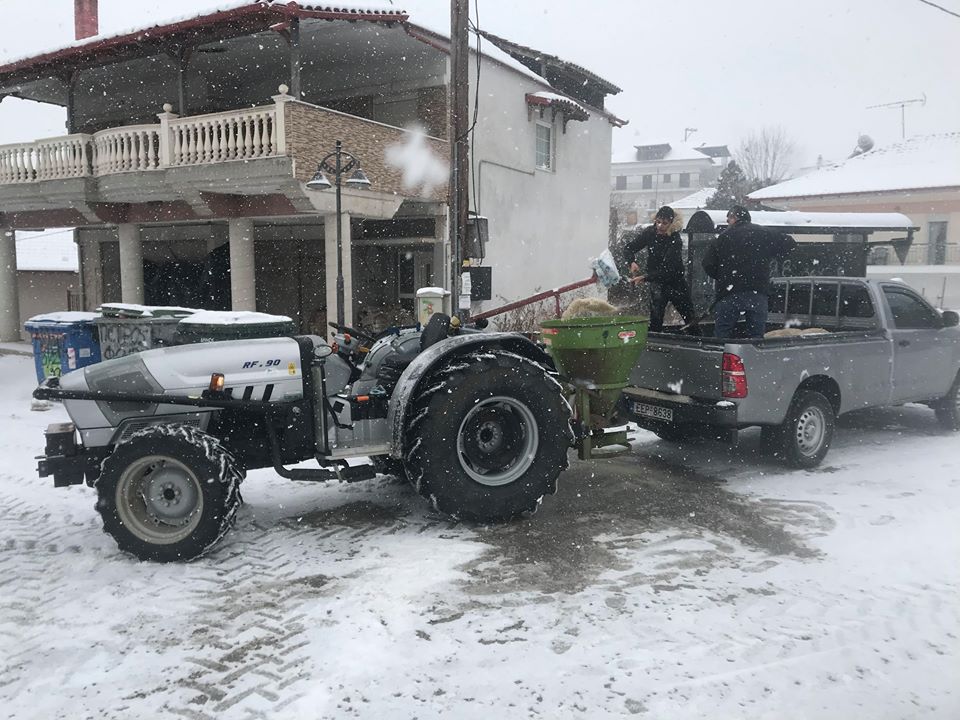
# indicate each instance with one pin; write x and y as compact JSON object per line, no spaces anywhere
{"x":85,"y":18}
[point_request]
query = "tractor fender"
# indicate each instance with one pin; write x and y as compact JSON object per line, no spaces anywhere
{"x":433,"y":357}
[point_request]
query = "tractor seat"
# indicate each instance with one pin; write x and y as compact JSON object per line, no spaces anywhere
{"x":437,"y":329}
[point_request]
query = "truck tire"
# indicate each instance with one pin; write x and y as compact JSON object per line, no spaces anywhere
{"x":948,"y":408}
{"x":804,"y":437}
{"x":488,"y":436}
{"x":168,"y":493}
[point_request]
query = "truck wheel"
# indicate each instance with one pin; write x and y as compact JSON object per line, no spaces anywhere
{"x":488,"y":436}
{"x":948,"y":407}
{"x":169,"y":492}
{"x":805,"y":436}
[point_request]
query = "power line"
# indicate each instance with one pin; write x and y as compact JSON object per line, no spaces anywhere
{"x":940,"y":7}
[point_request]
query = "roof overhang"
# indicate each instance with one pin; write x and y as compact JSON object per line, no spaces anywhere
{"x":240,"y":19}
{"x":816,"y":223}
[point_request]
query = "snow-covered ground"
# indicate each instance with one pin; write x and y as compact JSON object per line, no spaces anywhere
{"x":677,"y":582}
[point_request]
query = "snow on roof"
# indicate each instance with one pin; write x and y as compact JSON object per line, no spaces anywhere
{"x":677,"y":151}
{"x":551,"y":98}
{"x":47,"y":251}
{"x":817,"y":220}
{"x":926,"y":161}
{"x":695,"y":200}
{"x":366,"y":10}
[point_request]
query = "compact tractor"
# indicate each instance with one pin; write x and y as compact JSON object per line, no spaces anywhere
{"x":480,"y":423}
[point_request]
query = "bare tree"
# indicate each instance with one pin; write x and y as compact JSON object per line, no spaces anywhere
{"x":765,"y":156}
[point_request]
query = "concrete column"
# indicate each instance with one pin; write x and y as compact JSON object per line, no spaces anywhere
{"x":9,"y":293}
{"x":243,"y":280}
{"x":330,"y":264}
{"x":91,"y":271}
{"x":131,"y":264}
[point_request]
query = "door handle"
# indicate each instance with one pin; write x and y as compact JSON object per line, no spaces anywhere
{"x":903,"y":343}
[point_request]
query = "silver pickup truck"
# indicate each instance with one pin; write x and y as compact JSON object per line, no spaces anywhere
{"x":873,"y":343}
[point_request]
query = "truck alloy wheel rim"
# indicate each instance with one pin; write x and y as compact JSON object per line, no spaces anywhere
{"x":811,"y":427}
{"x":159,"y":499}
{"x":497,"y":441}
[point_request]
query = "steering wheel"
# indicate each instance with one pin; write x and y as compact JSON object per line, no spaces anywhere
{"x":366,"y":337}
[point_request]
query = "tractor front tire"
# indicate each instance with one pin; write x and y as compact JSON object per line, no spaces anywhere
{"x":168,"y":493}
{"x":487,"y":436}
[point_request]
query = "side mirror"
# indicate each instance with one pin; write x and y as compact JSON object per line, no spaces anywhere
{"x":950,"y":318}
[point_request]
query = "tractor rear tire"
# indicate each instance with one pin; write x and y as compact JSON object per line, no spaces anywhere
{"x":168,"y":493}
{"x":488,"y":436}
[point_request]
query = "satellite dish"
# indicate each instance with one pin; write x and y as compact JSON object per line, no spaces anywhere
{"x":864,"y":143}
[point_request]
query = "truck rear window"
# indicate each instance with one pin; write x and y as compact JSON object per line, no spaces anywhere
{"x":855,"y":302}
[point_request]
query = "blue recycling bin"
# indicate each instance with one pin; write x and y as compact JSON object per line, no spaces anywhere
{"x":63,"y":342}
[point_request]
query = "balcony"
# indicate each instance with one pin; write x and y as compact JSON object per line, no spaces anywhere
{"x":190,"y":167}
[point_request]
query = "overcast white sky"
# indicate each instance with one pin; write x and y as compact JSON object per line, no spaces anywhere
{"x":722,"y":66}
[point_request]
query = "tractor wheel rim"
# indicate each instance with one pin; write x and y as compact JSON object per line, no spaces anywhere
{"x":811,"y":428}
{"x":159,"y":499}
{"x":497,"y":441}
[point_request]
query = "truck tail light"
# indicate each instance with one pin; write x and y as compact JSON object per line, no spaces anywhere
{"x":734,"y":377}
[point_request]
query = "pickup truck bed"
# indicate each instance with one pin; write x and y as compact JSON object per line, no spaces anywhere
{"x":884,"y":345}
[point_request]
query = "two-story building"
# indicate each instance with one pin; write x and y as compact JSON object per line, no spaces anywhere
{"x":656,"y":174}
{"x":190,"y":144}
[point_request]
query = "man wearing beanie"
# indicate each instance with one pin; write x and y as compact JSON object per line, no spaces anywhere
{"x":739,"y":262}
{"x":665,"y":269}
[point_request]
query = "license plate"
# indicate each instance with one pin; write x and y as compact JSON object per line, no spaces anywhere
{"x":653,"y":411}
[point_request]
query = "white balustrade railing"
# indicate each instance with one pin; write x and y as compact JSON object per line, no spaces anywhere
{"x":126,"y":149}
{"x":175,"y":142}
{"x":219,"y":137}
{"x":17,"y":164}
{"x":62,"y":157}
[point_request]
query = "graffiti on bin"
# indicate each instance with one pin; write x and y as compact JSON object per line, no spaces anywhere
{"x":50,"y":344}
{"x":117,"y":340}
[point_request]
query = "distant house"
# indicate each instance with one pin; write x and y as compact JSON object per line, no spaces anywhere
{"x":658,"y":174}
{"x":190,"y":144}
{"x":919,"y":177}
{"x":48,"y":273}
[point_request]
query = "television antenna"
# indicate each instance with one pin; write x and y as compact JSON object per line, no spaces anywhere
{"x":902,"y":104}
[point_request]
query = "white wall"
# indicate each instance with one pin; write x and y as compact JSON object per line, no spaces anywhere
{"x":939,"y":284}
{"x":544,"y":225}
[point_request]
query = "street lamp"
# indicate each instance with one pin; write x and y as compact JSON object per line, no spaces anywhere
{"x":339,"y":163}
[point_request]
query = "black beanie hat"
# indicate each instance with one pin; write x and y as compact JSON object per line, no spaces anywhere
{"x":666,"y":213}
{"x":740,"y":213}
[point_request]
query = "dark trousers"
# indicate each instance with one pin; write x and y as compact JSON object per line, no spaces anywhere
{"x":752,"y":305}
{"x":677,"y":294}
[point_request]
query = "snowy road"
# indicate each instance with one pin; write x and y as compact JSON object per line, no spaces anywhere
{"x":678,"y":582}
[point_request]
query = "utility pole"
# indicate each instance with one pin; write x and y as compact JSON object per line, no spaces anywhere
{"x":902,"y":104}
{"x":687,"y":132}
{"x":459,"y":143}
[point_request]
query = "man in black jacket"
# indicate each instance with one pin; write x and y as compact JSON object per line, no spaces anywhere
{"x":739,"y":262}
{"x":664,"y":267}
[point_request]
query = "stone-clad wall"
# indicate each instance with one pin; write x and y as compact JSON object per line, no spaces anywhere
{"x":312,"y":132}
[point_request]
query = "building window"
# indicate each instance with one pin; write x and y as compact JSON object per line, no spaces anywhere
{"x":647,"y":182}
{"x":544,"y":146}
{"x":621,"y":182}
{"x":666,"y":179}
{"x":685,"y":180}
{"x":937,"y":243}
